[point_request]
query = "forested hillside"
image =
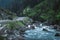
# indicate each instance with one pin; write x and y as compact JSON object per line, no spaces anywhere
{"x":45,"y":10}
{"x":37,"y":9}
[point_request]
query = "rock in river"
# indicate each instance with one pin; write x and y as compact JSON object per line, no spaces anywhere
{"x":57,"y":34}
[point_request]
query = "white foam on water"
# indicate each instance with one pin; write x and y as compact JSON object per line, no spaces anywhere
{"x":38,"y":33}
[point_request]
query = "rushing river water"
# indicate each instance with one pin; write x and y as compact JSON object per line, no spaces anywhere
{"x":41,"y":33}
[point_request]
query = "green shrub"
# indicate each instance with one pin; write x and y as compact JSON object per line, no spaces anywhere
{"x":13,"y":25}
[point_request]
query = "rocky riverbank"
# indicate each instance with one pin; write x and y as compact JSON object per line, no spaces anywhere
{"x":15,"y":30}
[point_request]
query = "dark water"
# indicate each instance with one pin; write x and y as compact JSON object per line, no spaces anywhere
{"x":39,"y":34}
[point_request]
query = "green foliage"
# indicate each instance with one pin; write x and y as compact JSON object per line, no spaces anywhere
{"x":44,"y":10}
{"x":44,"y":17}
{"x":27,"y":20}
{"x":14,"y":25}
{"x":11,"y":25}
{"x":27,"y":11}
{"x":1,"y":38}
{"x":39,"y":11}
{"x":58,"y":16}
{"x":20,"y":23}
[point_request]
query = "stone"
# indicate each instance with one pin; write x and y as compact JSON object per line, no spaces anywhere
{"x":22,"y":30}
{"x":21,"y":38}
{"x":55,"y":26}
{"x":45,"y":29}
{"x":2,"y":29}
{"x":32,"y":27}
{"x":57,"y":34}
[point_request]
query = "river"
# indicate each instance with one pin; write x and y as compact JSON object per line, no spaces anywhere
{"x":41,"y":33}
